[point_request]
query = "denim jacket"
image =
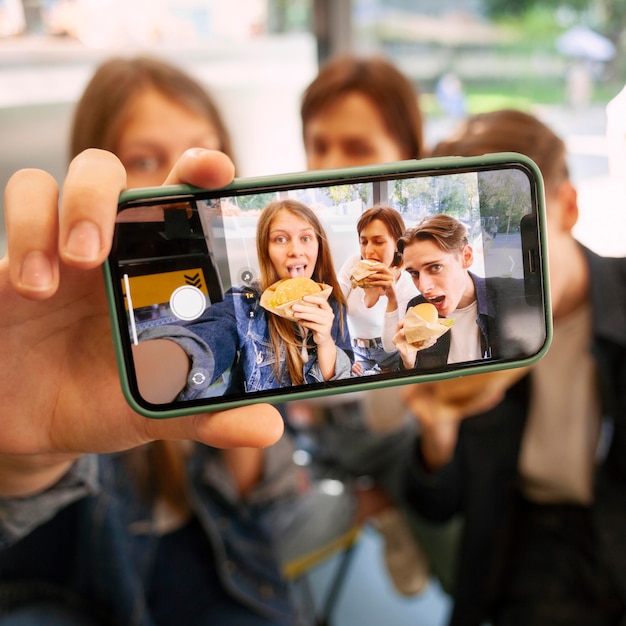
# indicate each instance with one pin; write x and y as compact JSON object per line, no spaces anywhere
{"x":235,"y":331}
{"x":90,"y":542}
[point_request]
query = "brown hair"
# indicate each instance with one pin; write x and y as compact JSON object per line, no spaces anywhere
{"x":509,"y":130}
{"x":101,"y":111}
{"x":392,"y":220}
{"x":379,"y":80}
{"x":446,"y":231}
{"x":282,"y":331}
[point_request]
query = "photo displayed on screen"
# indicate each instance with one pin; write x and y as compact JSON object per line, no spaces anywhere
{"x":320,"y":286}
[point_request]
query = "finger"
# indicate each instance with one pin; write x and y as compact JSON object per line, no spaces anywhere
{"x":91,"y":190}
{"x":255,"y":426}
{"x":208,"y":169}
{"x":318,"y":301}
{"x":31,"y":214}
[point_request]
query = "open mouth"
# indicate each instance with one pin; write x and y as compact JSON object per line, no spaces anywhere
{"x":438,"y":301}
{"x":296,"y":270}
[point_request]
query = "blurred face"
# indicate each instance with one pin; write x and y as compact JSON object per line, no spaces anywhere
{"x":156,"y":133}
{"x":441,"y":277}
{"x":567,"y":268}
{"x":377,"y":243}
{"x":292,"y":245}
{"x":350,"y":132}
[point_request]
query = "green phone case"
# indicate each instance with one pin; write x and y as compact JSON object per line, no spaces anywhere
{"x":307,"y":179}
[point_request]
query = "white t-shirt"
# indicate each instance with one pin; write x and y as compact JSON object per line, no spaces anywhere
{"x":465,"y":335}
{"x":367,"y":323}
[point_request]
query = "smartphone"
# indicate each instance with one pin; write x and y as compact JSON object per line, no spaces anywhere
{"x":185,"y":281}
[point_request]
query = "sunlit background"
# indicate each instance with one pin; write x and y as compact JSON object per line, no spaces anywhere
{"x":258,"y":55}
{"x":562,"y":59}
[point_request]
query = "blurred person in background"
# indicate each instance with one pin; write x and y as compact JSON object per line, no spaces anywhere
{"x":538,"y":468}
{"x":364,"y":111}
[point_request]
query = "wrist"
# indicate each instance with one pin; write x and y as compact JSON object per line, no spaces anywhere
{"x":437,"y":444}
{"x":26,"y":475}
{"x":323,"y":343}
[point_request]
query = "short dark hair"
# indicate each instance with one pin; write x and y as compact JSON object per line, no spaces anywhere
{"x":391,"y":218}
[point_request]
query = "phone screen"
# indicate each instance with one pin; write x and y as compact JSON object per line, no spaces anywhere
{"x":201,"y":270}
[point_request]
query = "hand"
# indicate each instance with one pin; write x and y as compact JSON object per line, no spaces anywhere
{"x":440,"y":406}
{"x":408,"y":351}
{"x":381,"y":283}
{"x":316,"y":315}
{"x":357,"y":369}
{"x":60,"y":387}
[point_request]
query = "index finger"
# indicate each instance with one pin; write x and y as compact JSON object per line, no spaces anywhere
{"x":313,"y":299}
{"x":91,"y":190}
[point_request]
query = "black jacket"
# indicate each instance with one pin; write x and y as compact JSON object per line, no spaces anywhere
{"x":481,"y":479}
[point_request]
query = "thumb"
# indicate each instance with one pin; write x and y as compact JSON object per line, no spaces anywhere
{"x":255,"y":426}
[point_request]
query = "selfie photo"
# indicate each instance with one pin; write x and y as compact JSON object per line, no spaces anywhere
{"x":323,"y":286}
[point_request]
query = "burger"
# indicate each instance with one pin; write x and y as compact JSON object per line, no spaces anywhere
{"x":361,"y":273}
{"x":423,"y":326}
{"x":280,"y":297}
{"x":291,"y":289}
{"x":427,"y":311}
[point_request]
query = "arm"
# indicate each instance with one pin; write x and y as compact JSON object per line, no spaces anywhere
{"x":390,"y":328}
{"x":20,"y":514}
{"x":406,"y":292}
{"x":343,"y":276}
{"x":60,"y":387}
{"x":440,"y":406}
{"x":173,"y":354}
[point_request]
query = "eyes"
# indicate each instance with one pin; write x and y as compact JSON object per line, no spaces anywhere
{"x":432,"y":270}
{"x":375,"y":242}
{"x":143,"y":164}
{"x":282,"y":240}
{"x":354,"y":148}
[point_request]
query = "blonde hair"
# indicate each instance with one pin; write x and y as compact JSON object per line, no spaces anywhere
{"x":283,"y":332}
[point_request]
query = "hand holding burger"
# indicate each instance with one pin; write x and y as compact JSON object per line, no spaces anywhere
{"x":420,"y":329}
{"x":280,"y":297}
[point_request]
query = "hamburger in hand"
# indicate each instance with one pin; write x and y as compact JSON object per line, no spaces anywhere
{"x":423,"y":326}
{"x":420,"y":329}
{"x":280,"y":297}
{"x":361,"y":272}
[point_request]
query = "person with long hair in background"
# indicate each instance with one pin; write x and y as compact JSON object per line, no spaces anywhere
{"x":361,"y":110}
{"x":136,"y":534}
